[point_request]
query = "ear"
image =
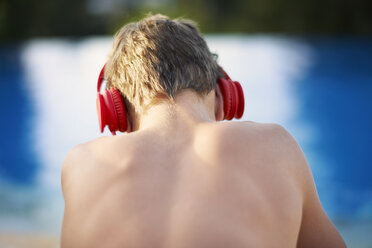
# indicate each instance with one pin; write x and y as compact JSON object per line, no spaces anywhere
{"x":218,"y":106}
{"x":130,"y":114}
{"x":129,"y":125}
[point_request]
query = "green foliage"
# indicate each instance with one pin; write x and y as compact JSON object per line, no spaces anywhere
{"x":23,"y":19}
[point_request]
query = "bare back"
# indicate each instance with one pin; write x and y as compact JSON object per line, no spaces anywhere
{"x":213,"y":185}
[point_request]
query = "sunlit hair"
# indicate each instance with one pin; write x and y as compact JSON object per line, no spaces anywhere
{"x":156,"y":58}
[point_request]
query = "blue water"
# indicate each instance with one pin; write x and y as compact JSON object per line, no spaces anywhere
{"x":319,"y":89}
{"x":18,"y":163}
{"x":336,"y":98}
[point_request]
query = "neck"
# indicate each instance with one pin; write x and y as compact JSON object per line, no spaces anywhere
{"x":186,"y":109}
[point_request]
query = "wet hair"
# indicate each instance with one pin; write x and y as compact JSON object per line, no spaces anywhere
{"x":156,"y":58}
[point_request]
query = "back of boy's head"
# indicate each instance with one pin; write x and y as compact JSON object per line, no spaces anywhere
{"x":156,"y":58}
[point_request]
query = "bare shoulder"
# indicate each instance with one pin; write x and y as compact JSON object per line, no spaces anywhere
{"x":274,"y":148}
{"x":79,"y":153}
{"x":84,"y":160}
{"x":74,"y":162}
{"x":259,"y":132}
{"x":274,"y":140}
{"x":316,"y":229}
{"x":266,"y":151}
{"x":262,"y":139}
{"x":269,"y":134}
{"x":274,"y":143}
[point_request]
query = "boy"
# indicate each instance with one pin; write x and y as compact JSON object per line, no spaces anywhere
{"x":179,"y":178}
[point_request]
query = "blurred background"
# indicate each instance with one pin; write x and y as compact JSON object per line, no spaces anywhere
{"x":306,"y":65}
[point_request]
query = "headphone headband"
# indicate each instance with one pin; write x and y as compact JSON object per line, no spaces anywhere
{"x":227,"y":76}
{"x":100,"y":79}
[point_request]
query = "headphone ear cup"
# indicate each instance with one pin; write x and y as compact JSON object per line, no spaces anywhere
{"x":111,"y":111}
{"x":101,"y":111}
{"x":235,"y":97}
{"x":240,"y":100}
{"x":229,"y":103}
{"x":120,"y":111}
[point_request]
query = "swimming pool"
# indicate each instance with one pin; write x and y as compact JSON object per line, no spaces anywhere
{"x":320,"y":89}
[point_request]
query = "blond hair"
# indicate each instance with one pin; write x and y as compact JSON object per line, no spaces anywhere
{"x":156,"y":58}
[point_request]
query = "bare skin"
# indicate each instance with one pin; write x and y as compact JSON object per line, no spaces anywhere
{"x":184,"y":180}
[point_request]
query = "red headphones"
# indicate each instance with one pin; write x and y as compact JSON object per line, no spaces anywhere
{"x":112,"y":112}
